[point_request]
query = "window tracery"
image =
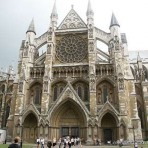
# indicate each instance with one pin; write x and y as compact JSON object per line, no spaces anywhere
{"x":82,"y":90}
{"x":35,"y":94}
{"x":105,"y":92}
{"x":71,"y":48}
{"x":57,"y":89}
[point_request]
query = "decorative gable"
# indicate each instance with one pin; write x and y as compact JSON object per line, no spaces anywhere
{"x":108,"y":107}
{"x":69,"y":94}
{"x":72,"y":21}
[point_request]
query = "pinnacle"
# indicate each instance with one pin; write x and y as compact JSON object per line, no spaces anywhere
{"x":31,"y":27}
{"x":89,"y":9}
{"x":114,"y":21}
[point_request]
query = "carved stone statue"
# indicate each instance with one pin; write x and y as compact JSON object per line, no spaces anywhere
{"x":49,"y":49}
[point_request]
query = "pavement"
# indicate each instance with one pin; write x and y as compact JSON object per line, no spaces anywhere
{"x":86,"y":146}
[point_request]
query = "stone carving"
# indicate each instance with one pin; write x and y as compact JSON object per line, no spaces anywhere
{"x":99,"y":96}
{"x":90,"y":31}
{"x":92,"y":83}
{"x":72,"y":21}
{"x":68,"y":93}
{"x":49,"y":49}
{"x":50,"y":34}
{"x":71,"y":49}
{"x":91,"y":46}
{"x":45,"y":86}
{"x":111,"y":44}
{"x":26,"y":49}
{"x":116,"y":42}
{"x":121,"y":83}
{"x":20,"y":86}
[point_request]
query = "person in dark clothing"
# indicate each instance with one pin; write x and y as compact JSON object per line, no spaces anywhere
{"x":15,"y":144}
{"x":49,"y":144}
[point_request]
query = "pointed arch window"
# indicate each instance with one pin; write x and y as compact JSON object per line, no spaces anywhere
{"x":55,"y":93}
{"x":86,"y":93}
{"x":105,"y":94}
{"x":37,"y":97}
{"x":80,"y":91}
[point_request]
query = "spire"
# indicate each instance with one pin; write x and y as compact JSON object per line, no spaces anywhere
{"x":54,"y":10}
{"x":114,"y":21}
{"x":89,"y":9}
{"x":31,"y":27}
{"x":139,"y":58}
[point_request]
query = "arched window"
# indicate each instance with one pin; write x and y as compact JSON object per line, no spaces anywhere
{"x":37,"y":97}
{"x":86,"y":93}
{"x":105,"y":94}
{"x":57,"y":89}
{"x":55,"y":93}
{"x":80,"y":91}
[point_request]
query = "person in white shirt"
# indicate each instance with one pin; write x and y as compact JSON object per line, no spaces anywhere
{"x":42,"y":142}
{"x":38,"y":142}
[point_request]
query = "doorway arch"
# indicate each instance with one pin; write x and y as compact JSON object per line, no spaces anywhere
{"x":30,"y":128}
{"x":109,"y":128}
{"x":68,"y":119}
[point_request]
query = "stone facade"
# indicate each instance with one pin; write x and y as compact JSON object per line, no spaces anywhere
{"x":70,"y":90}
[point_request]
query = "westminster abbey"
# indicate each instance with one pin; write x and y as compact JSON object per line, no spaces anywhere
{"x":75,"y":88}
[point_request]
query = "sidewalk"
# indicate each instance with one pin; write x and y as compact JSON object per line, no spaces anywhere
{"x":85,"y":146}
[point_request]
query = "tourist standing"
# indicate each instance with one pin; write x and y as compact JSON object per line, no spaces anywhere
{"x":15,"y":144}
{"x":38,"y":142}
{"x":54,"y":142}
{"x":49,"y":144}
{"x":42,"y":142}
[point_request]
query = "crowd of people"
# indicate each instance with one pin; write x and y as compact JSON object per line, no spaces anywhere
{"x":64,"y":142}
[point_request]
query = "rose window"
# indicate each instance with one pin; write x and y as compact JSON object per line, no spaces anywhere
{"x":71,"y":49}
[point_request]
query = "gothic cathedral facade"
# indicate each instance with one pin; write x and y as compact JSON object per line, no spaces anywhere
{"x":75,"y":88}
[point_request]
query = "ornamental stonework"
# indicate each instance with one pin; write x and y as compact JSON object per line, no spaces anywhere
{"x":71,"y":48}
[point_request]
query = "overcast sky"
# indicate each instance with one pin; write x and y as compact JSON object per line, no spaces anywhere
{"x":16,"y":15}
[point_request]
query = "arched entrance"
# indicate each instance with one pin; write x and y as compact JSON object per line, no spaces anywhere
{"x":68,"y":119}
{"x":30,"y":128}
{"x":109,"y":128}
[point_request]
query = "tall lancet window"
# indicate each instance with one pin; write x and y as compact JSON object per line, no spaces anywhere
{"x":80,"y":91}
{"x":37,"y":97}
{"x":86,"y":93}
{"x":105,"y":94}
{"x":55,"y":91}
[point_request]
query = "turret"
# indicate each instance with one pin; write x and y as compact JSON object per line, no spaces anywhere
{"x":139,"y":62}
{"x":114,"y":27}
{"x":30,"y":34}
{"x":90,"y":14}
{"x":54,"y":17}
